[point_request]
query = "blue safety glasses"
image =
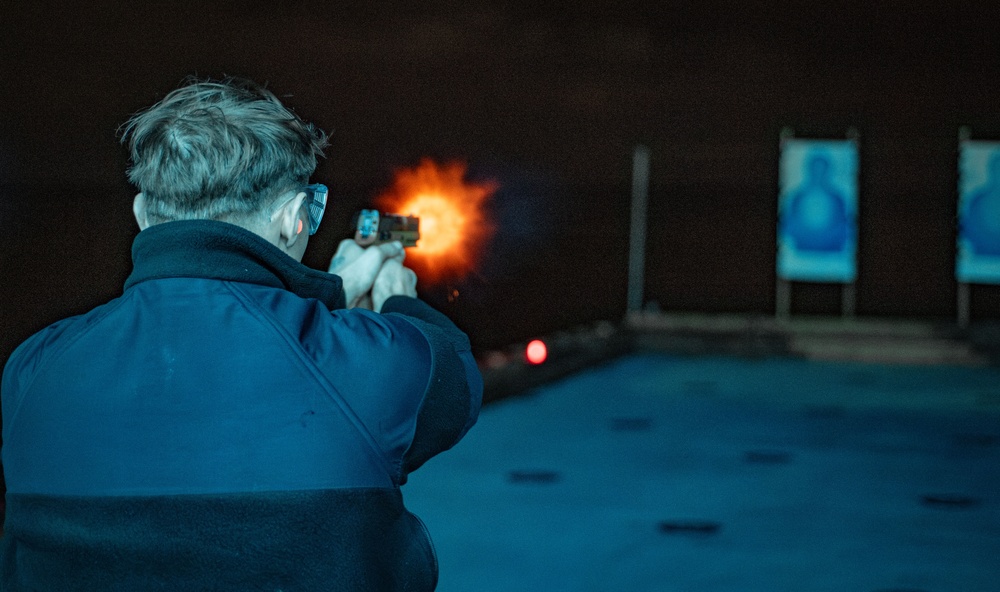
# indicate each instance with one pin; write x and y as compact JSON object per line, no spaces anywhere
{"x":316,"y":194}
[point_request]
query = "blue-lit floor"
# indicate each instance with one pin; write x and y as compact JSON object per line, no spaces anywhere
{"x":716,"y":474}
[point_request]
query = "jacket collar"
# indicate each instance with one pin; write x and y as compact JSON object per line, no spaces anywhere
{"x":223,"y":251}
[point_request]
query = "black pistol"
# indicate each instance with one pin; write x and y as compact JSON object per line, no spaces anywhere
{"x":374,"y":228}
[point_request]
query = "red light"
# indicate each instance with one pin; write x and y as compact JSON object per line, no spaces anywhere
{"x":536,"y":351}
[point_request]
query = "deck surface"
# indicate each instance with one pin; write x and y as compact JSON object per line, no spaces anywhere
{"x":708,"y":474}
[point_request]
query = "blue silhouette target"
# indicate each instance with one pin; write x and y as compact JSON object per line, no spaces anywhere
{"x":817,"y":210}
{"x":978,"y":257}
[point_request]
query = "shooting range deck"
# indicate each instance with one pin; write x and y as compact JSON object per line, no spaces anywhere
{"x":699,"y":474}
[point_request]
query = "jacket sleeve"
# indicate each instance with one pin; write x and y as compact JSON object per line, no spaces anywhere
{"x":451,"y":403}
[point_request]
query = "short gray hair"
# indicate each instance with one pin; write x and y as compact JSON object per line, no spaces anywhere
{"x":217,"y":150}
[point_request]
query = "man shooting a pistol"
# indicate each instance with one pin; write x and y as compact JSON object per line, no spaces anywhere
{"x":230,"y":422}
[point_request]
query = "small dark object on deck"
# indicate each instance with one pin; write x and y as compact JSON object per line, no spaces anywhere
{"x":958,"y":502}
{"x":824,"y":411}
{"x":533,"y":476}
{"x":976,"y":440}
{"x":700,"y":387}
{"x":695,"y":527}
{"x":631,"y":424}
{"x":767,"y":457}
{"x":861,"y":378}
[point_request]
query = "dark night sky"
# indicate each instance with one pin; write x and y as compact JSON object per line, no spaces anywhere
{"x":548,"y":100}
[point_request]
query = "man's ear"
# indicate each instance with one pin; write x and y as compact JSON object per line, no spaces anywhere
{"x":139,"y":211}
{"x":292,"y":219}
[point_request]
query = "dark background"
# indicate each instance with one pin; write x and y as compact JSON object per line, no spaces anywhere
{"x":547,"y":100}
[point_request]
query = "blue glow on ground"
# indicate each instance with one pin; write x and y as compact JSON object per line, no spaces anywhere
{"x":814,"y":471}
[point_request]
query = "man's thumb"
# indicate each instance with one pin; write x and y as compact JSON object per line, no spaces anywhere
{"x":393,"y":250}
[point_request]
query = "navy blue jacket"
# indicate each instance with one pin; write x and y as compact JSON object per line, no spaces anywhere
{"x":226,"y":425}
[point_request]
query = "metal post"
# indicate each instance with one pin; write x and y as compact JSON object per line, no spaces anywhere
{"x":637,"y":239}
{"x":783,"y":299}
{"x":964,"y":301}
{"x":849,"y":292}
{"x":848,"y":298}
{"x":964,"y":295}
{"x":783,"y":287}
